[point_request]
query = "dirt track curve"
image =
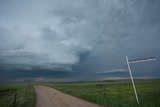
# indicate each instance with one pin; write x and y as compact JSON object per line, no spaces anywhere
{"x":49,"y":97}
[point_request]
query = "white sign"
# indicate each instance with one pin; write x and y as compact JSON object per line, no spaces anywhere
{"x":134,"y":61}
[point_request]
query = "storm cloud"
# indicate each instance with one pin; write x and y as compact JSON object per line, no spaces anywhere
{"x":79,"y":35}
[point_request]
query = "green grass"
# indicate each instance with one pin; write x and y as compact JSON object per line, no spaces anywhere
{"x":109,"y":93}
{"x":114,"y":93}
{"x":25,"y":94}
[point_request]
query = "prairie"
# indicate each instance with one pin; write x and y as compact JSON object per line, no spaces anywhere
{"x":114,"y":93}
{"x":25,"y":95}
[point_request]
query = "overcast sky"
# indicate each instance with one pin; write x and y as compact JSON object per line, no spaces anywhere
{"x":81,"y":38}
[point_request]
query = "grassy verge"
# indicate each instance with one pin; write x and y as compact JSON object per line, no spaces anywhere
{"x":114,"y":93}
{"x":25,"y":95}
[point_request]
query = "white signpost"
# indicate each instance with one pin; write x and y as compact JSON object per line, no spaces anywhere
{"x":134,"y":61}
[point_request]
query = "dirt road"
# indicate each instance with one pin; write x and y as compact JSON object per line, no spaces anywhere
{"x":49,"y":97}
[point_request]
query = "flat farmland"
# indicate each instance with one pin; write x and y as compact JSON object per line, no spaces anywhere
{"x":114,"y":93}
{"x":109,"y":93}
{"x":25,"y":95}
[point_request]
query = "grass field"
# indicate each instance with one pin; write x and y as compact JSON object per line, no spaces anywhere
{"x":25,"y":95}
{"x":109,"y":93}
{"x":114,"y":93}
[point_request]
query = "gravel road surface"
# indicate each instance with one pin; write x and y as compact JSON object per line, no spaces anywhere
{"x":49,"y":97}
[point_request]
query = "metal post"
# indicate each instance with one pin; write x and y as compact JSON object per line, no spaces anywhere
{"x":132,"y":80}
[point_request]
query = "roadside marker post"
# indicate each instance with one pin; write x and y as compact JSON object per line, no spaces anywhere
{"x":132,"y":80}
{"x":134,"y":61}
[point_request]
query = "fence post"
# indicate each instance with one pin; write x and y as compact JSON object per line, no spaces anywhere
{"x":25,"y":92}
{"x":14,"y":101}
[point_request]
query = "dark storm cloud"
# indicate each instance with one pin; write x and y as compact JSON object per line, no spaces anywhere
{"x":80,"y":36}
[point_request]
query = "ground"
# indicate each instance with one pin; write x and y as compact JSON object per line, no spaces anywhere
{"x":49,"y":97}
